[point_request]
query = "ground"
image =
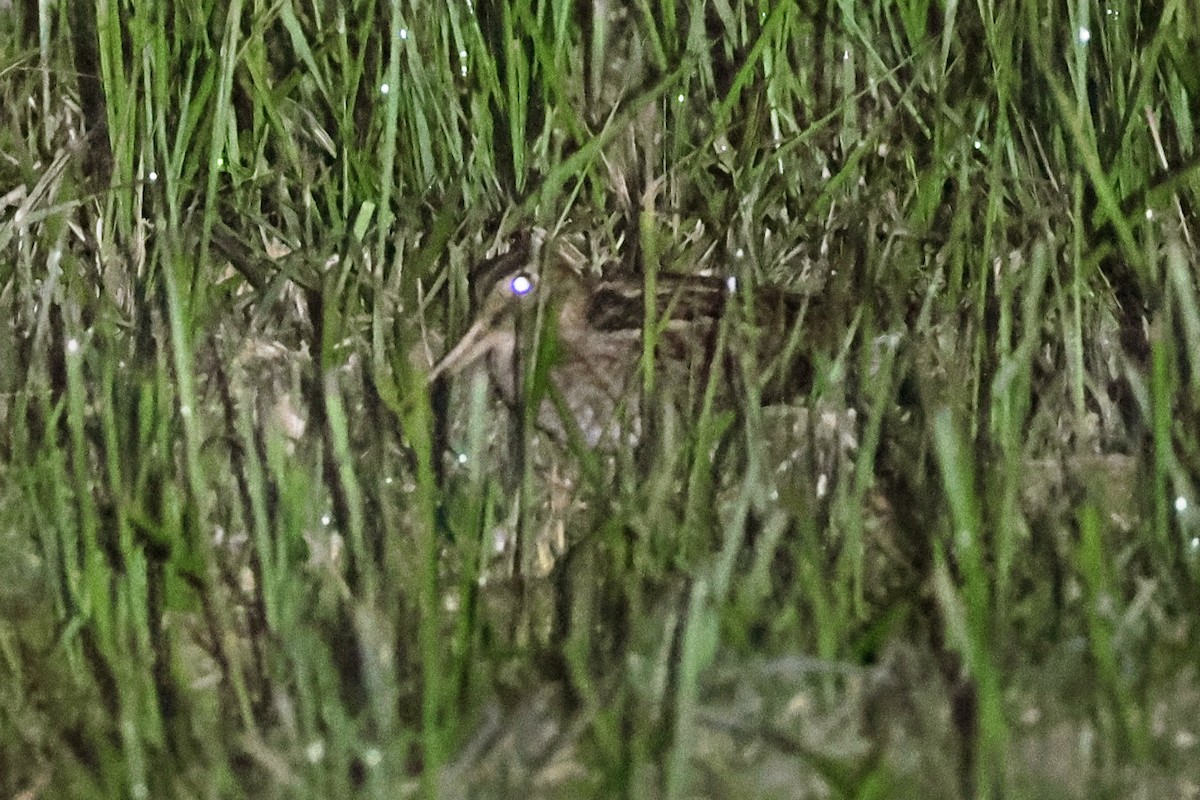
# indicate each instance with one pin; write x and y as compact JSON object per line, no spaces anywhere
{"x":247,"y":547}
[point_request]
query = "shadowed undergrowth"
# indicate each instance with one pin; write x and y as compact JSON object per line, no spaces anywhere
{"x":246,"y":549}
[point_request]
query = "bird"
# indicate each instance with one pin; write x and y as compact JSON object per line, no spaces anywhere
{"x":595,"y":369}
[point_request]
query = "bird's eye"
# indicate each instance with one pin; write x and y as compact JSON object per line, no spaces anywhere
{"x":520,"y":284}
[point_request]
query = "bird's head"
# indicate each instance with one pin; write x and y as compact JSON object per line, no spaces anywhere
{"x":506,"y":292}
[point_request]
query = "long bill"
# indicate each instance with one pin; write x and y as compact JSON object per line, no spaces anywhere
{"x":479,"y":339}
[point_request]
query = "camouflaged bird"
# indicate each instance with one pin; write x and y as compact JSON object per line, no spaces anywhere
{"x":597,"y":330}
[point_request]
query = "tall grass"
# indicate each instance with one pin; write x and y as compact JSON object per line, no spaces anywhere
{"x":246,"y":550}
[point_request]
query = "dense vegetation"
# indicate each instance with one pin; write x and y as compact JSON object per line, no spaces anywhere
{"x":245,"y":550}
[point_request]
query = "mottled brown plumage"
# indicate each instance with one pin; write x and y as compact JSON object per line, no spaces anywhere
{"x":597,"y":328}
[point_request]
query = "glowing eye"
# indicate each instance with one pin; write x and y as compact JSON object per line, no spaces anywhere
{"x":521,"y":285}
